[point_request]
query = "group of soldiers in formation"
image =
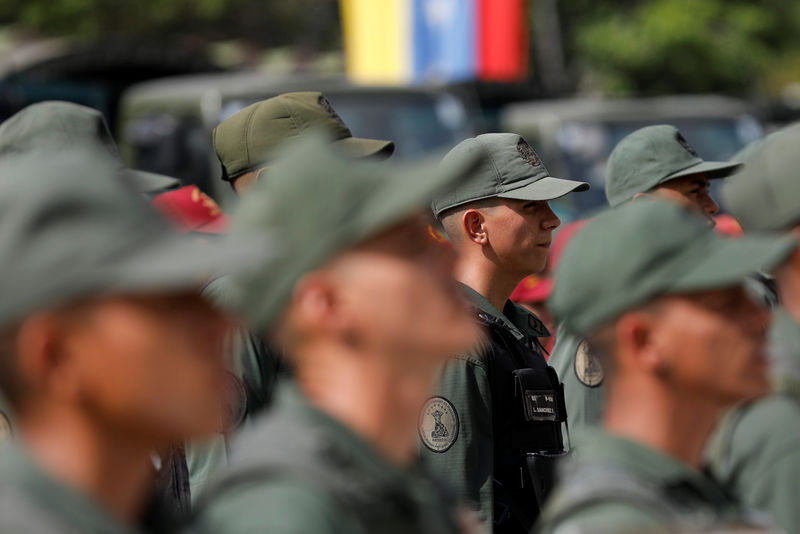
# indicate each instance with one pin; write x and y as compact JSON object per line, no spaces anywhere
{"x":344,"y":356}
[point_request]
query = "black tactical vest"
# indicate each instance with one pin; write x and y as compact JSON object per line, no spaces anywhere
{"x":527,"y":413}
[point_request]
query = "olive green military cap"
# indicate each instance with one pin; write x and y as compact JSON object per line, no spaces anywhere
{"x":320,"y":206}
{"x":246,"y":141}
{"x":627,"y":256}
{"x":509,"y":169}
{"x":765,"y":196}
{"x":61,"y":125}
{"x":651,"y":156}
{"x":72,"y":226}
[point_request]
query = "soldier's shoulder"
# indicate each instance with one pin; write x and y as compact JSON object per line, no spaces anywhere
{"x":763,"y":431}
{"x":601,"y":517}
{"x":280,"y":504}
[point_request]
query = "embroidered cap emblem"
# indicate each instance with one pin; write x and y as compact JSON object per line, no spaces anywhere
{"x":685,"y":144}
{"x":527,"y":153}
{"x":438,"y":424}
{"x":588,"y":368}
{"x":324,"y":104}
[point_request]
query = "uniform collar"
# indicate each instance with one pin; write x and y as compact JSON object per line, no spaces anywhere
{"x":517,"y":319}
{"x":336,"y":441}
{"x":76,"y":511}
{"x":598,"y":447}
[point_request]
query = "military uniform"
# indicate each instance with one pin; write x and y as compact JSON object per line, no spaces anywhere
{"x":615,"y":485}
{"x":487,"y":436}
{"x":645,"y":159}
{"x":583,"y":375}
{"x":243,"y":143}
{"x":254,"y":372}
{"x":502,"y":406}
{"x":756,"y":449}
{"x":299,"y":470}
{"x":33,"y":502}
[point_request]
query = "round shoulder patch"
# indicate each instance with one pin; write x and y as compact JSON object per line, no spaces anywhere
{"x":5,"y":427}
{"x":588,"y":368}
{"x":438,"y":424}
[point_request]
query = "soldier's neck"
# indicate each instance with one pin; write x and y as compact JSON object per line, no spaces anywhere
{"x":105,"y":464}
{"x":488,"y":279}
{"x":366,"y":398}
{"x":642,"y":412}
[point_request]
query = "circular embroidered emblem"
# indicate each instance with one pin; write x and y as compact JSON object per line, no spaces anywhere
{"x":685,"y":144}
{"x":527,"y":153}
{"x":5,"y":428}
{"x":235,"y":403}
{"x":438,"y":424}
{"x":588,"y":368}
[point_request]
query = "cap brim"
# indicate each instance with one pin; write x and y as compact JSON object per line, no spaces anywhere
{"x":712,"y":169}
{"x":183,"y":262}
{"x":727,"y":262}
{"x":547,"y":188}
{"x":151,"y":183}
{"x":358,"y":147}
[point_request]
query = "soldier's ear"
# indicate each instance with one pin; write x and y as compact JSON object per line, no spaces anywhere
{"x":634,"y":342}
{"x":474,"y":227}
{"x":46,"y":365}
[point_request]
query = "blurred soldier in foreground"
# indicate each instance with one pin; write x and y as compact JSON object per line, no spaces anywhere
{"x":64,"y":125}
{"x":108,"y":355}
{"x":491,"y":441}
{"x":246,"y":144}
{"x":756,"y":450}
{"x":655,"y":161}
{"x":680,"y":341}
{"x":362,"y":303}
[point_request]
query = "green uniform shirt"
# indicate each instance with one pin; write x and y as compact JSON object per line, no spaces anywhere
{"x":254,"y":369}
{"x":32,"y":502}
{"x":299,"y":470}
{"x":465,"y":458}
{"x":616,"y":485}
{"x":583,"y":378}
{"x":756,"y":449}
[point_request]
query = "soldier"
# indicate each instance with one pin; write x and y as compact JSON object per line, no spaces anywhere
{"x":500,"y":444}
{"x":107,"y":352}
{"x":756,"y":450}
{"x":245,"y":144}
{"x":655,"y":161}
{"x":680,"y":340}
{"x":63,"y":125}
{"x":362,"y":303}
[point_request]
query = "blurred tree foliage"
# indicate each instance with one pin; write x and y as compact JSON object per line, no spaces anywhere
{"x":662,"y":46}
{"x":620,"y":46}
{"x":262,"y":22}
